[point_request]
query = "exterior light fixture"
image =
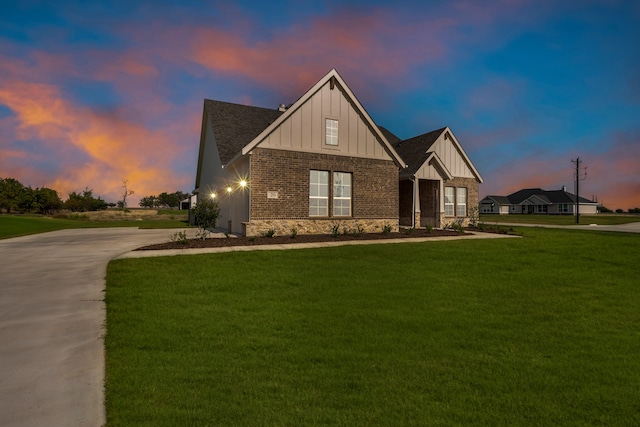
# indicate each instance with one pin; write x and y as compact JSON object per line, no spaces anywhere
{"x":213,"y":195}
{"x":243,"y":183}
{"x":229,"y":190}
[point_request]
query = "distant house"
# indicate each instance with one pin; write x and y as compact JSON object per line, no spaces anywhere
{"x":322,"y":163}
{"x":495,"y":205}
{"x":537,"y":201}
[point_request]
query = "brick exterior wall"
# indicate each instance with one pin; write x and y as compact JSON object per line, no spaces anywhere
{"x":406,"y":202}
{"x":374,"y":191}
{"x":472,"y":199}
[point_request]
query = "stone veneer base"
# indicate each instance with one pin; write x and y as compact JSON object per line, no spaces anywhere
{"x":285,"y":227}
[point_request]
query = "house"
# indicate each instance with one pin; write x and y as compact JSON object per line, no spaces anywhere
{"x":495,"y":205}
{"x":322,"y":163}
{"x":538,"y":201}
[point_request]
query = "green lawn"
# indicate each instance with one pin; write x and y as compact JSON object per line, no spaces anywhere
{"x":542,"y":330}
{"x":601,"y":219}
{"x":21,"y":225}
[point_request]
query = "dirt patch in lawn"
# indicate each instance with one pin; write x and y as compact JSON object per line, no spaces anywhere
{"x":218,"y":242}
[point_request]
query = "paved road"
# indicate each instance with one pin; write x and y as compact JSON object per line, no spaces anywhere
{"x":51,"y":323}
{"x":632,"y":227}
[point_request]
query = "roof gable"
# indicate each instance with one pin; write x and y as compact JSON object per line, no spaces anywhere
{"x":521,"y":195}
{"x":500,"y":200}
{"x":537,"y":199}
{"x":332,"y":79}
{"x":416,"y":153}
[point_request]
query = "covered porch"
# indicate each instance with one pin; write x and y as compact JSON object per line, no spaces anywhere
{"x":420,"y":202}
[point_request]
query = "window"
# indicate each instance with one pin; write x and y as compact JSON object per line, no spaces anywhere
{"x":319,"y":193}
{"x":455,"y":201}
{"x":461,"y":202}
{"x":331,"y":132}
{"x":341,"y":194}
{"x":449,"y":197}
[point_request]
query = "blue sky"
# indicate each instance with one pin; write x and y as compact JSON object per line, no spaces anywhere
{"x":92,"y":93}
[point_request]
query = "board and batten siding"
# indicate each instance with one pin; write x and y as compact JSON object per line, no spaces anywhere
{"x":450,"y":156}
{"x":304,"y":129}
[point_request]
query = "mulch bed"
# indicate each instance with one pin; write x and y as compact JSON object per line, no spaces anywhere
{"x":300,"y":238}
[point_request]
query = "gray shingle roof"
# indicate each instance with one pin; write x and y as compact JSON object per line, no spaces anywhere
{"x":554,"y":196}
{"x":392,"y":138}
{"x":236,"y":125}
{"x":414,"y":151}
{"x":501,"y":200}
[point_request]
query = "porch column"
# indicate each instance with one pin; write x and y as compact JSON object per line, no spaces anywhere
{"x":416,"y":203}
{"x":440,"y":208}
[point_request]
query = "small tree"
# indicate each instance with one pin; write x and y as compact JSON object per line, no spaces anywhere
{"x":84,"y":202}
{"x":169,"y":200}
{"x":46,"y":200}
{"x":148,"y":202}
{"x":11,"y":194}
{"x":205,"y":215}
{"x":125,"y":193}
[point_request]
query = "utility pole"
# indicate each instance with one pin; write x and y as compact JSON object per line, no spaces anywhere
{"x":577,"y":162}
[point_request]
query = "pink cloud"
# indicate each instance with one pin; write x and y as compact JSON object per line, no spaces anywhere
{"x":373,"y":45}
{"x":613,"y":176}
{"x":615,"y":173}
{"x":93,"y":149}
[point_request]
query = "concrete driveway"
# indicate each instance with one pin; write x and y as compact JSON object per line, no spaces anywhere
{"x":52,"y":322}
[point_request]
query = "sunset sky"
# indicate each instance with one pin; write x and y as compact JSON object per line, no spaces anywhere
{"x":95,"y":92}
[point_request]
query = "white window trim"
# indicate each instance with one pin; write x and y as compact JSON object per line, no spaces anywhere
{"x":453,"y":208}
{"x":325,"y":198}
{"x":452,"y":204}
{"x":350,"y":186}
{"x":462,"y":205}
{"x":331,"y":132}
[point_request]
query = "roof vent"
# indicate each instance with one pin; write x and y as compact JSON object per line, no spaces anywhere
{"x":564,"y":188}
{"x":282,"y":107}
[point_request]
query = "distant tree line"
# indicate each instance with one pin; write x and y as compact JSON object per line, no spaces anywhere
{"x":634,"y":210}
{"x":16,"y":198}
{"x":164,"y":200}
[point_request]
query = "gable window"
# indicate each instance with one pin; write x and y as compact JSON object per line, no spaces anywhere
{"x":331,"y":132}
{"x":319,"y":193}
{"x":461,"y":202}
{"x":341,"y":194}
{"x":449,"y":198}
